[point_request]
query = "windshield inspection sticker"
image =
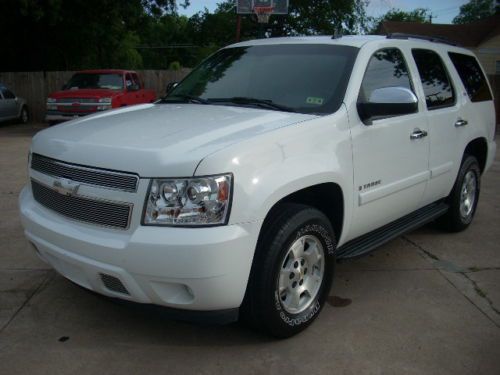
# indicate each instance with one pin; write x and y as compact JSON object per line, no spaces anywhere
{"x":314,"y":100}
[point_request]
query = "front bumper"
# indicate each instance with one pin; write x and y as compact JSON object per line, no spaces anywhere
{"x":203,"y":269}
{"x":66,"y":116}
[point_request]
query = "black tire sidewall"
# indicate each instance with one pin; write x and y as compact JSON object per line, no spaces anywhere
{"x":24,"y":109}
{"x":307,"y":222}
{"x":469,"y":164}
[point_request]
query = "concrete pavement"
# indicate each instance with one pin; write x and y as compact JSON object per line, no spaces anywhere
{"x":426,"y":303}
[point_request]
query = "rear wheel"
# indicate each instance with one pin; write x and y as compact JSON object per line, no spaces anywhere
{"x":24,"y":115}
{"x":464,"y":196}
{"x":292,"y":271}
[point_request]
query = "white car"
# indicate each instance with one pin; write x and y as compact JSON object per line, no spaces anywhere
{"x":234,"y":195}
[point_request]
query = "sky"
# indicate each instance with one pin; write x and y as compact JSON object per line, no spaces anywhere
{"x":443,"y":11}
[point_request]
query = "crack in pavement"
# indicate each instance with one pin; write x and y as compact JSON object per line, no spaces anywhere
{"x":443,"y":266}
{"x":43,"y":284}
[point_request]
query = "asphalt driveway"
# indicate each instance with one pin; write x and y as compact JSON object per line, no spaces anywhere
{"x":426,"y":303}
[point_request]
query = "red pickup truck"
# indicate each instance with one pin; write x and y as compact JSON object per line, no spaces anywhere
{"x":90,"y":91}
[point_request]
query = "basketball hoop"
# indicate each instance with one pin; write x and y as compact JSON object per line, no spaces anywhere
{"x":263,"y":13}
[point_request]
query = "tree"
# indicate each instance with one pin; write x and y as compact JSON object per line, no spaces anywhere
{"x":421,"y":15}
{"x":312,"y":17}
{"x":67,"y":35}
{"x":475,"y":10}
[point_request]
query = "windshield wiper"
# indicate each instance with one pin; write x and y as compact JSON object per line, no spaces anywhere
{"x":183,"y":97}
{"x":263,"y":103}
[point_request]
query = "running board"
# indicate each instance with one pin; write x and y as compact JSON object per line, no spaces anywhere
{"x":370,"y":241}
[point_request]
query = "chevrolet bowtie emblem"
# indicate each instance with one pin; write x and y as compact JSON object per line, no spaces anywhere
{"x":66,"y":186}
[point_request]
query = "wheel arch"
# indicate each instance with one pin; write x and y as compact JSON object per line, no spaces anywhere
{"x":478,"y":148}
{"x":326,"y":197}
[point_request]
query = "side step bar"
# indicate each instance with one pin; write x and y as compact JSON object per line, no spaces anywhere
{"x":370,"y":241}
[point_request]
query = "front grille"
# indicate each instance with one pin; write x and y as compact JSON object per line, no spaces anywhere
{"x":100,"y":212}
{"x":114,"y":284}
{"x":76,"y":100}
{"x":77,"y":109}
{"x":86,"y":175}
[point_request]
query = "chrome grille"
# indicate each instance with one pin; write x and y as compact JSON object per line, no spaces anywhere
{"x":114,"y":284}
{"x":86,"y":175}
{"x":100,"y":212}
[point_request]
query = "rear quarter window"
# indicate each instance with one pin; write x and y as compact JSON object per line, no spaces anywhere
{"x":472,"y":77}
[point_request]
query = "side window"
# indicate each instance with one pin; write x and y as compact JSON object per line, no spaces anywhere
{"x":136,"y":79}
{"x":7,"y":94}
{"x":386,"y":68}
{"x":435,"y":80}
{"x":472,"y":77}
{"x":128,"y":80}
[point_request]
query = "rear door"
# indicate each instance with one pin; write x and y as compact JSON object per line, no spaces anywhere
{"x":442,"y":110}
{"x":390,"y":168}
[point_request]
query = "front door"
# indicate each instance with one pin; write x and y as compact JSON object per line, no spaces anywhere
{"x":390,"y":155}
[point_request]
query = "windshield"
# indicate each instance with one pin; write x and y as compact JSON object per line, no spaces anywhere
{"x":110,"y":81}
{"x":299,"y":77}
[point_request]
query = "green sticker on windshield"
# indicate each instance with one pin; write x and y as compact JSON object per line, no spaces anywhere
{"x":314,"y":100}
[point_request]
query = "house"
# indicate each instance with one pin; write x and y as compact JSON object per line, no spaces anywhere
{"x":482,"y":37}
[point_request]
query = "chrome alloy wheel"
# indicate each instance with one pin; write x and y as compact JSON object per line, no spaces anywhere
{"x":301,"y":274}
{"x":468,"y":194}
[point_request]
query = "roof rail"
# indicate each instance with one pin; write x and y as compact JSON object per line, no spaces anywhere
{"x":434,"y":39}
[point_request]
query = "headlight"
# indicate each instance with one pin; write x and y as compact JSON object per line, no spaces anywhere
{"x":189,"y":202}
{"x":104,"y":100}
{"x":51,"y":100}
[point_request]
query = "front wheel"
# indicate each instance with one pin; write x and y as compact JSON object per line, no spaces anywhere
{"x":292,"y":271}
{"x":464,"y":196}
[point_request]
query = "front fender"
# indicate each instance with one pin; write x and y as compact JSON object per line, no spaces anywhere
{"x":271,"y":166}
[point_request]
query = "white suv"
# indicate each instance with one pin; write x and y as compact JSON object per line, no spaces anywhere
{"x":235,"y":193}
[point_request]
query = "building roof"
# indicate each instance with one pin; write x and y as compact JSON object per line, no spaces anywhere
{"x":468,"y":34}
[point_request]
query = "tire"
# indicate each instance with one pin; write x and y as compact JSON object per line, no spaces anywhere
{"x":289,"y":286}
{"x":463,"y":197}
{"x":24,"y":117}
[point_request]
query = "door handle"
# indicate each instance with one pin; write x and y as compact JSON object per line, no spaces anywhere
{"x":417,"y":134}
{"x":461,"y":122}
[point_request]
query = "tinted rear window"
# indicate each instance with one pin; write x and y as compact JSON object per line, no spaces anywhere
{"x":437,"y":87}
{"x":472,"y":77}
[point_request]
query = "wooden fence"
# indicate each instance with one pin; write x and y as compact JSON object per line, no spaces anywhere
{"x":35,"y":86}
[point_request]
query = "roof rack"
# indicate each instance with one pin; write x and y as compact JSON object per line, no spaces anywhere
{"x":434,"y":39}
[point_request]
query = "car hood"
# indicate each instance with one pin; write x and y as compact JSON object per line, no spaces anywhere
{"x":83,"y":93}
{"x":157,"y":140}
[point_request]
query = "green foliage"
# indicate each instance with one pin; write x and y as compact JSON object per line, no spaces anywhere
{"x":175,"y":65}
{"x":421,"y":15}
{"x":314,"y":17}
{"x":148,"y":34}
{"x":475,"y":10}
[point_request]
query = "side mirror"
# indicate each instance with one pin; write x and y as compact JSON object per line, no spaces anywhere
{"x":387,"y":102}
{"x":171,"y":86}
